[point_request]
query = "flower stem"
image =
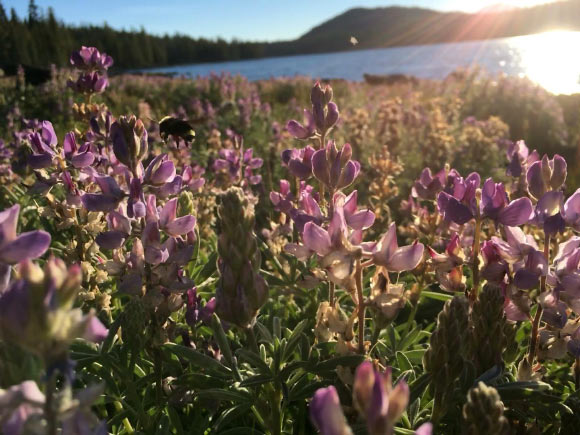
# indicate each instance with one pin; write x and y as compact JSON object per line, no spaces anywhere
{"x":361,"y":306}
{"x":331,"y":294}
{"x":49,"y":414}
{"x":539,"y":311}
{"x":475,"y":262}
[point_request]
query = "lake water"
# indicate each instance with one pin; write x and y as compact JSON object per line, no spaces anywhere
{"x":550,"y":59}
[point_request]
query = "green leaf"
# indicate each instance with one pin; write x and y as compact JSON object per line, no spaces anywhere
{"x":256,"y":380}
{"x":415,"y":356}
{"x":403,"y":362}
{"x":294,"y":339}
{"x":436,"y":295}
{"x":197,"y":358}
{"x":333,"y":363}
{"x":225,"y":395}
{"x":231,"y":414}
{"x":417,"y":387}
{"x":209,"y":268}
{"x":222,"y":340}
{"x":264,"y":333}
{"x":254,"y":360}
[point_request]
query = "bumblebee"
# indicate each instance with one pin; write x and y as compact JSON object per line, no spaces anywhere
{"x":178,"y":128}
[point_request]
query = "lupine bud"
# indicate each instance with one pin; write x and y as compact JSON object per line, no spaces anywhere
{"x":241,"y":290}
{"x":377,"y":401}
{"x":546,"y":175}
{"x":335,"y":168}
{"x":483,"y":412}
{"x":489,"y":327}
{"x":444,"y":359}
{"x":326,"y":413}
{"x":129,"y":137}
{"x":37,"y":312}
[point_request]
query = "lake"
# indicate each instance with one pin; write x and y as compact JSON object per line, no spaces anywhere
{"x":550,"y":59}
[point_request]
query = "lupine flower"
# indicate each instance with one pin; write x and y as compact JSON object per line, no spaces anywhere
{"x":89,"y":83}
{"x":161,"y":170}
{"x":42,"y":143}
{"x":335,"y":168}
{"x":448,"y":265}
{"x":520,"y":158}
{"x":195,"y":312}
{"x":494,"y":267}
{"x":119,"y":230}
{"x":89,"y":58}
{"x":36,"y":312}
{"x":323,"y":117}
{"x":15,"y":248}
{"x":282,"y":200}
{"x":460,"y":206}
{"x":299,"y":161}
{"x":192,"y":177}
{"x":324,"y":112}
{"x":308,"y":208}
{"x":302,"y":131}
{"x":571,"y":211}
{"x":496,"y":206}
{"x":388,"y":254}
{"x":333,"y":246}
{"x":377,"y":401}
{"x":18,"y":404}
{"x":548,"y":213}
{"x":107,"y":200}
{"x":326,"y":413}
{"x":79,"y":157}
{"x":231,"y":164}
{"x":129,"y":137}
{"x":136,"y":202}
{"x":528,"y":274}
{"x":546,"y":175}
{"x":427,"y":186}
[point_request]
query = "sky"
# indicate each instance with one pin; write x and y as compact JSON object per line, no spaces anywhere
{"x":250,"y":20}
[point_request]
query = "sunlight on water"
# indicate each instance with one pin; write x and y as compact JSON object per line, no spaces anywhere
{"x":550,"y":60}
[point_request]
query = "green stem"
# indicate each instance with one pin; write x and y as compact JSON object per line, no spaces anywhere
{"x":538,"y":317}
{"x":361,"y":306}
{"x":125,"y":421}
{"x":475,"y":262}
{"x":49,"y":411}
{"x":331,"y":294}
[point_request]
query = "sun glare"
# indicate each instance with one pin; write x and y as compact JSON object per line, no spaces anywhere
{"x":549,"y":59}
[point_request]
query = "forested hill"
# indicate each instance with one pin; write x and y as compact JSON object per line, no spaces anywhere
{"x":396,"y":26}
{"x":40,"y":39}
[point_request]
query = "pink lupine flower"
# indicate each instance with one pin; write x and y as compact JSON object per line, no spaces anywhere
{"x":388,"y":254}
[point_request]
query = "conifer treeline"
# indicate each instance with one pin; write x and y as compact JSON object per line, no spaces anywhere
{"x":40,"y":39}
